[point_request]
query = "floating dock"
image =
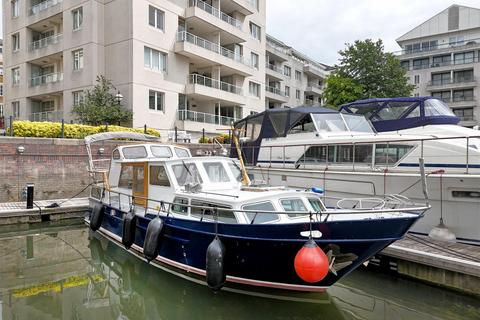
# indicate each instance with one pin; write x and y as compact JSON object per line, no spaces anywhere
{"x":43,"y":210}
{"x":448,"y":264}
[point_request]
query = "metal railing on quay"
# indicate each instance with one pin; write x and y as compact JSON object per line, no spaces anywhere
{"x":50,"y":116}
{"x":44,"y":5}
{"x":46,"y":78}
{"x":42,"y":43}
{"x":184,"y":36}
{"x":166,"y":207}
{"x":213,"y":83}
{"x":202,"y":117}
{"x":215,"y":12}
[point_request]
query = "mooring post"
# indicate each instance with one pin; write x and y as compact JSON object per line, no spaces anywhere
{"x":30,"y":189}
{"x":145,"y":128}
{"x":203,"y":135}
{"x":11,"y":126}
{"x":62,"y":134}
{"x":176,"y":133}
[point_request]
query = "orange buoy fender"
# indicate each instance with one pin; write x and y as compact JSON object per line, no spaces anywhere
{"x":311,"y":263}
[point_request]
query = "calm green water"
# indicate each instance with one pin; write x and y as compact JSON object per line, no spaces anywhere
{"x":61,"y":272}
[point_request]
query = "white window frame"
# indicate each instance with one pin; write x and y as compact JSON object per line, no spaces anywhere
{"x":149,"y":53}
{"x":159,"y":96}
{"x":255,"y":31}
{"x":15,"y":76}
{"x":289,"y":73}
{"x":157,"y":13}
{"x":77,"y":58}
{"x":287,"y":91}
{"x":77,"y":18}
{"x":77,"y":97}
{"x":15,"y":42}
{"x":255,"y":60}
{"x":2,"y":112}
{"x":298,"y":75}
{"x":254,"y":89}
{"x":16,"y":109}
{"x":15,"y":8}
{"x":298,"y":94}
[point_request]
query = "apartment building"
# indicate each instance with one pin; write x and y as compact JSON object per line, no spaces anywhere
{"x":292,"y":78}
{"x":189,"y":64}
{"x":2,"y":118}
{"x":441,"y":57}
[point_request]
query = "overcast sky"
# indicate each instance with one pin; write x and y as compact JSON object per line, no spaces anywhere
{"x":320,"y":28}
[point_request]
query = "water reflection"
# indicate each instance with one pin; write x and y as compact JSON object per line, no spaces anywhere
{"x":58,"y":272}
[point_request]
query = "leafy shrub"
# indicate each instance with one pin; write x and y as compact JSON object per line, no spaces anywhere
{"x":223,"y":139}
{"x":72,"y":131}
{"x":204,"y":140}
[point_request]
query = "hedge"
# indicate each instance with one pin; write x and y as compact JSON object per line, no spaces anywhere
{"x":223,"y":139}
{"x":71,"y":131}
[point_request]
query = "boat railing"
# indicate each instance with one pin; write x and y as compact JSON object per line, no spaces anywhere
{"x":100,"y":192}
{"x":279,"y":154}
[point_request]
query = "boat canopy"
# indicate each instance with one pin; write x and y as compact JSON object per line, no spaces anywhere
{"x":390,"y":114}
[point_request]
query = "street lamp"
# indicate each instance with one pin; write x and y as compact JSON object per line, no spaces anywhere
{"x":118,"y":97}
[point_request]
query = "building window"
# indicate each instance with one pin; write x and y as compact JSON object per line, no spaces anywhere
{"x":440,"y":78}
{"x":287,"y":71}
{"x":16,"y":76}
{"x":440,"y":61}
{"x":155,"y":60}
{"x":1,"y":110}
{"x":77,"y":97}
{"x":298,"y":94}
{"x":16,"y":42}
{"x":1,"y":90}
{"x":464,"y":57}
{"x":254,"y":89}
{"x":16,"y":109}
{"x":15,"y":8}
{"x":255,"y":31}
{"x":463,"y":76}
{"x":77,"y":59}
{"x":417,"y":79}
{"x":416,"y":95}
{"x":442,"y":95}
{"x":465,"y":114}
{"x":463,"y":95}
{"x":405,"y":64}
{"x":254,"y":4}
{"x":287,"y":91}
{"x":298,"y":75}
{"x":421,"y":63}
{"x":156,"y":100}
{"x":255,"y":60}
{"x":77,"y":16}
{"x":156,"y":18}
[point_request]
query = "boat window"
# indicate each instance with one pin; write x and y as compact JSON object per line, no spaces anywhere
{"x":415,"y":113}
{"x":294,"y":204}
{"x":208,"y":214}
{"x":253,"y":128}
{"x":261,"y":217}
{"x":126,"y":177}
{"x":241,"y":128}
{"x":338,"y":154}
{"x":357,"y":123}
{"x":317,"y":205}
{"x":366,"y":109}
{"x":134,"y":152}
{"x":177,"y":206}
{"x":182,"y":153}
{"x":279,"y":122}
{"x":216,"y":172}
{"x":434,"y":107}
{"x":186,"y":173}
{"x":116,"y":154}
{"x":235,"y":168}
{"x":158,"y":176}
{"x":161,"y":151}
{"x":329,"y":122}
{"x":303,"y":125}
{"x":390,"y":154}
{"x":394,"y":110}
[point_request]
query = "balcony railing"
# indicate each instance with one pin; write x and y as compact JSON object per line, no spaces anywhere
{"x":184,"y":36}
{"x":309,"y":102}
{"x":315,"y":68}
{"x":467,"y":118}
{"x":314,"y":85}
{"x":442,"y":64}
{"x":46,"y":78}
{"x":275,"y":91}
{"x":465,"y":44}
{"x":195,"y":116}
{"x":51,"y":116}
{"x":213,"y":83}
{"x":216,"y":13}
{"x":273,"y":67}
{"x":44,"y":5}
{"x":450,"y":81}
{"x":42,"y":43}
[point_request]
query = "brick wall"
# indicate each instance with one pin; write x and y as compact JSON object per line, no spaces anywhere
{"x":57,"y":167}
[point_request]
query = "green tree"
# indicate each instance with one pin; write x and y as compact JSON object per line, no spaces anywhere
{"x":340,"y":90}
{"x":378,"y":73}
{"x":100,"y":106}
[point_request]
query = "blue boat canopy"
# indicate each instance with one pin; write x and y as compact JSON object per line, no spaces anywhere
{"x":390,"y":114}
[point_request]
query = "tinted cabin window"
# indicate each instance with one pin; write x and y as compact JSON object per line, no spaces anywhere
{"x":216,"y":172}
{"x":316,"y":204}
{"x":116,"y":154}
{"x":126,"y":177}
{"x":253,"y":127}
{"x":390,"y":154}
{"x":209,"y":214}
{"x":366,"y":109}
{"x":235,"y":168}
{"x":259,"y":218}
{"x":303,"y":125}
{"x":186,"y":173}
{"x":177,"y":206}
{"x":291,"y":205}
{"x":395,"y":110}
{"x":158,"y":176}
{"x":134,"y":152}
{"x":182,"y":153}
{"x":279,"y":122}
{"x":338,"y":154}
{"x":161,"y":152}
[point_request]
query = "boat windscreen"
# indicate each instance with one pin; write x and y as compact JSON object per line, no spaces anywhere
{"x":328,"y":122}
{"x":434,"y":107}
{"x":357,"y":123}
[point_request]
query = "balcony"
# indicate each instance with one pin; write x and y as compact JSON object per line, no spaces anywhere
{"x":314,"y":88}
{"x":274,"y":72}
{"x":197,"y":121}
{"x":245,"y":7}
{"x":315,"y":71}
{"x":435,"y":85}
{"x":439,"y":49}
{"x":444,"y":65}
{"x":46,"y":84}
{"x":46,"y":79}
{"x":50,"y":116}
{"x":204,"y":88}
{"x":44,"y":10}
{"x":205,"y":53}
{"x":277,"y":53}
{"x":206,"y":19}
{"x":467,"y":101}
{"x":275,"y":94}
{"x":45,"y":42}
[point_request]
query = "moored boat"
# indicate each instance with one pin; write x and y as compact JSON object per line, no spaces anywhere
{"x":200,"y":219}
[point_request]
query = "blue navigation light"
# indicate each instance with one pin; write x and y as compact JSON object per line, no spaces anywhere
{"x":317,"y":190}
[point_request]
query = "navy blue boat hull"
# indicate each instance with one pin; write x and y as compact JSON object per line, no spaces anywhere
{"x":261,"y":255}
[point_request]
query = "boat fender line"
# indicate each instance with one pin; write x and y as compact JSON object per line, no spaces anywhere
{"x":129,"y":228}
{"x":98,"y":211}
{"x":215,"y":264}
{"x":152,"y":243}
